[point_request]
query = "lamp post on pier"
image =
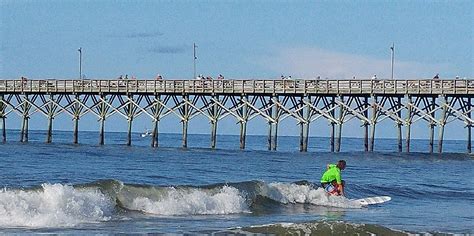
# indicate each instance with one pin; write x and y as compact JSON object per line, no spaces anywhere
{"x":194,"y":59}
{"x":80,"y":62}
{"x":392,"y":49}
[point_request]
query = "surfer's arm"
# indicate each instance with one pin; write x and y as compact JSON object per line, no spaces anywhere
{"x":341,"y":189}
{"x":340,"y":185}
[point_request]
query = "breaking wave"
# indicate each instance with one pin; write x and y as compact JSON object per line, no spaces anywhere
{"x":53,"y":205}
{"x":62,"y":205}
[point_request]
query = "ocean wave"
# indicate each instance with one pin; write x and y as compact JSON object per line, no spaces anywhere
{"x":53,"y":205}
{"x":59,"y":205}
{"x":306,"y":194}
{"x":190,"y":201}
{"x":317,"y":228}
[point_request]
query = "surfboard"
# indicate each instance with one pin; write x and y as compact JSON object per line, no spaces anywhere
{"x":372,"y":200}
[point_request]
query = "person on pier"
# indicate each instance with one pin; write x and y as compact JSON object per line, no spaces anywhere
{"x":331,"y":181}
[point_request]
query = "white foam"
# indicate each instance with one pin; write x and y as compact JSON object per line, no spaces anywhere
{"x":55,"y":205}
{"x":293,"y":193}
{"x":226,"y":200}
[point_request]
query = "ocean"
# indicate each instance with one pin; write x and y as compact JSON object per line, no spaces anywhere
{"x":114,"y":188}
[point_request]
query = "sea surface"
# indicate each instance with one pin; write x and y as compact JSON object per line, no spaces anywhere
{"x":114,"y":188}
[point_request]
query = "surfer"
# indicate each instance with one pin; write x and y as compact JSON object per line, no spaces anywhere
{"x":331,"y":180}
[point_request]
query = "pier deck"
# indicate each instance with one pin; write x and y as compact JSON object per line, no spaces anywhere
{"x":400,"y":87}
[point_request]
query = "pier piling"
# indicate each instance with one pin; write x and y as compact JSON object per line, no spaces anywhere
{"x":50,"y":110}
{"x":366,"y":124}
{"x":185,"y":120}
{"x":432,"y":125}
{"x":305,"y":113}
{"x":442,"y":123}
{"x":4,"y":130}
{"x":408,"y":123}
{"x":468,"y":125}
{"x":76,"y":111}
{"x":243,"y":122}
{"x":275,"y":116}
{"x":2,"y":117}
{"x":270,"y":124}
{"x":339,"y":126}
{"x":75,"y":130}
{"x":333,"y":124}
{"x":25,"y":113}
{"x":399,"y":125}
{"x":156,"y":109}
{"x":130,"y":115}
{"x":102,"y":115}
{"x":214,"y":115}
{"x":373,"y":122}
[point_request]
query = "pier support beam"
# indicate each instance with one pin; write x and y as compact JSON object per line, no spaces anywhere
{"x":243,"y":123}
{"x":432,"y":124}
{"x":333,"y":125}
{"x":49,"y":135}
{"x":468,"y":126}
{"x":103,"y":112}
{"x":24,"y":125}
{"x":156,"y":116}
{"x":76,"y":130}
{"x":366,"y":124}
{"x":373,"y":122}
{"x":26,"y":133}
{"x":213,"y":133}
{"x":408,"y":122}
{"x":272,"y":112}
{"x":76,"y":112}
{"x":22,"y":130}
{"x":270,"y":126}
{"x":215,"y":118}
{"x":4,"y":130}
{"x":2,"y":118}
{"x":442,"y":123}
{"x":130,"y":119}
{"x":274,"y":136}
{"x":154,"y":136}
{"x":304,"y":126}
{"x":399,"y":125}
{"x":339,"y":128}
{"x":185,"y":121}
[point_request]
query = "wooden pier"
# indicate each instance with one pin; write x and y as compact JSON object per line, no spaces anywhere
{"x":405,"y":102}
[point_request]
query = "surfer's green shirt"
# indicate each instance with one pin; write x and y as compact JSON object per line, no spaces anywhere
{"x":331,"y":174}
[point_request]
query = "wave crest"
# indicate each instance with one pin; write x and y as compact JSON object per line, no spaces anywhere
{"x":176,"y":201}
{"x":53,"y":205}
{"x":58,"y":205}
{"x":306,"y":194}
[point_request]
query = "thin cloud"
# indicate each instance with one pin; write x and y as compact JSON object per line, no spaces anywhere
{"x":168,"y":49}
{"x":137,"y":35}
{"x":310,"y":62}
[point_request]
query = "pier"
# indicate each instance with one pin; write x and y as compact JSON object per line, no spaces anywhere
{"x":436,"y":102}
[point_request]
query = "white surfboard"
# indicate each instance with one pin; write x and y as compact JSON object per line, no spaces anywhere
{"x":372,"y":200}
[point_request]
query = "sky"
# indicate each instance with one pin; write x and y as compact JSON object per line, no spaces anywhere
{"x":239,"y":39}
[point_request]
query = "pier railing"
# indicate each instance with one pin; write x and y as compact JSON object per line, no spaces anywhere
{"x":433,"y":86}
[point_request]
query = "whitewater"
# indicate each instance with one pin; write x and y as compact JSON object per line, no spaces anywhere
{"x":59,"y":205}
{"x":64,"y":188}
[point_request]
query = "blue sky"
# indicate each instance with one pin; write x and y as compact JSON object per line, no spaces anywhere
{"x":239,"y":39}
